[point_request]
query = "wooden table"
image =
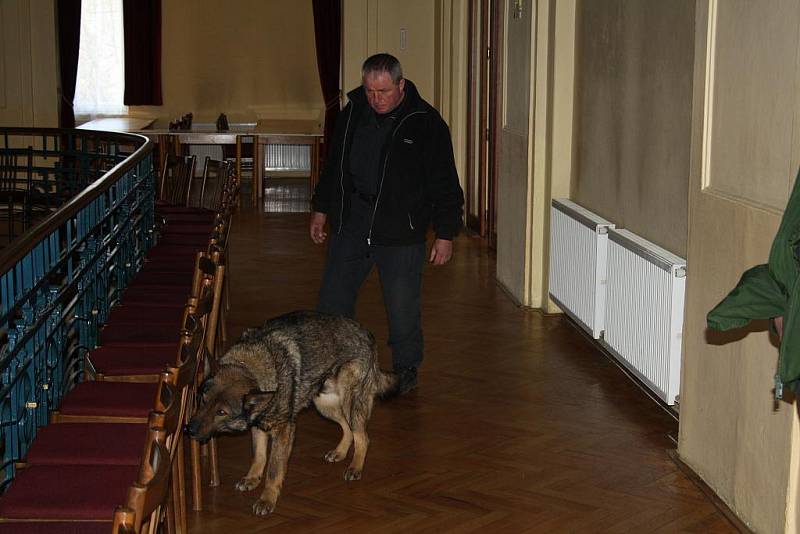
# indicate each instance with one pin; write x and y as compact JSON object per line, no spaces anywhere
{"x":282,"y":132}
{"x":265,"y":132}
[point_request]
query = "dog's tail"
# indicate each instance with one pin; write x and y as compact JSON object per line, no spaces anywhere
{"x":388,"y":384}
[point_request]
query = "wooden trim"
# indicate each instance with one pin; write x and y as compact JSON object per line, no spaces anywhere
{"x":472,"y":221}
{"x":495,"y":117}
{"x":482,"y":121}
{"x":718,"y":503}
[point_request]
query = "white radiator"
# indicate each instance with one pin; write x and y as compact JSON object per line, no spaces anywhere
{"x":644,"y":311}
{"x":277,"y":157}
{"x":578,"y":247}
{"x":281,"y":157}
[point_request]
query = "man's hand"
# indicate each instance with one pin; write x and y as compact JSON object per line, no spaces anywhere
{"x":317,"y":227}
{"x":441,"y":251}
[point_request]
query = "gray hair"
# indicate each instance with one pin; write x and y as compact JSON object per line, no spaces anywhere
{"x":383,"y":63}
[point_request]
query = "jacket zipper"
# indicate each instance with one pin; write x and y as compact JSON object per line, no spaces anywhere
{"x":383,"y":176}
{"x":341,"y":171}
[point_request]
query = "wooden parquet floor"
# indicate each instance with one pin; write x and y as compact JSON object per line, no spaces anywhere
{"x":518,"y":424}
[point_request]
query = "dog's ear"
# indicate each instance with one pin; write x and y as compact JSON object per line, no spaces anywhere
{"x":204,"y":388}
{"x":255,"y":403}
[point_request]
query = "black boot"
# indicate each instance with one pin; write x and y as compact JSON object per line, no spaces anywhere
{"x":407,"y":380}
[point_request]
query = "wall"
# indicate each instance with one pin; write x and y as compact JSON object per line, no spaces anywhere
{"x":249,"y":59}
{"x":633,"y":107}
{"x":536,"y":142}
{"x":744,"y":159}
{"x":434,"y":57}
{"x":372,"y":26}
{"x":516,"y":116}
{"x":28,"y":64}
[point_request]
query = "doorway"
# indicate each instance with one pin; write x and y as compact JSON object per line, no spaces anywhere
{"x":483,"y":104}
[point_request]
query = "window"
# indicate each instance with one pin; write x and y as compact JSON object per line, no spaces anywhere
{"x":101,"y":60}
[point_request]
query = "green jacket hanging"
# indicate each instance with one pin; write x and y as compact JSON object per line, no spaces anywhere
{"x":772,"y":290}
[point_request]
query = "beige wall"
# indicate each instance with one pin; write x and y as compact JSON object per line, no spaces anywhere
{"x":513,"y":182}
{"x":744,"y":159}
{"x":28,"y":64}
{"x":434,"y":57}
{"x":372,"y":26}
{"x":536,"y":142}
{"x":633,"y":115}
{"x":248,"y":59}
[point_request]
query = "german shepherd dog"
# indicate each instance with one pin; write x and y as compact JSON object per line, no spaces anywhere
{"x":272,"y":373}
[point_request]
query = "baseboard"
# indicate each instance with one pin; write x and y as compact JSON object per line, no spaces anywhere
{"x":718,"y":503}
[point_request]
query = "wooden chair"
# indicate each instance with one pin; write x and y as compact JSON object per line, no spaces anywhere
{"x":160,"y":487}
{"x":173,"y":402}
{"x":176,"y":176}
{"x":147,"y":497}
{"x":136,"y":351}
{"x":70,"y":492}
{"x":216,"y":175}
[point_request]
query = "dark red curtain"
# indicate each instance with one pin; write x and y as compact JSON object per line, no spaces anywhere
{"x":69,"y":40}
{"x":142,"y":27}
{"x":328,"y":36}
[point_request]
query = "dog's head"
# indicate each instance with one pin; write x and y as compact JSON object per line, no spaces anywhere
{"x":221,"y":408}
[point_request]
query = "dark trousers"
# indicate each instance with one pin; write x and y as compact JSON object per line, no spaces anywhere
{"x":349,"y":262}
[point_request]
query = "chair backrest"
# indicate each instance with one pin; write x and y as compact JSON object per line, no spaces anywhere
{"x":176,"y":177}
{"x":148,"y":495}
{"x":215,"y":179}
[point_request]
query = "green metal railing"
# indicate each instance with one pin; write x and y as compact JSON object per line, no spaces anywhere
{"x":59,"y":278}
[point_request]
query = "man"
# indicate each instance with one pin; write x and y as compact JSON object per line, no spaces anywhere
{"x":389,"y":175}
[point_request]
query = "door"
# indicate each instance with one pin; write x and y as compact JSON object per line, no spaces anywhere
{"x":482,"y":140}
{"x":745,"y":154}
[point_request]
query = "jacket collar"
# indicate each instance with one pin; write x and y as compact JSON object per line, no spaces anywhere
{"x":411,"y":102}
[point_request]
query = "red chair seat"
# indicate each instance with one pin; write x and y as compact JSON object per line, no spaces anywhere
{"x":139,"y":335}
{"x":205,"y":219}
{"x":166,"y":298}
{"x":165,"y":208}
{"x":189,"y":229}
{"x":172,"y":252}
{"x":110,"y":399}
{"x":55,"y":527}
{"x":136,"y":314}
{"x":88,"y":444}
{"x":79,"y":492}
{"x":198,"y":241}
{"x":131,"y":360}
{"x":166,"y":263}
{"x":159,"y":279}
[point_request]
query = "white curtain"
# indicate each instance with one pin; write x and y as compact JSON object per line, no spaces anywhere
{"x":101,"y":76}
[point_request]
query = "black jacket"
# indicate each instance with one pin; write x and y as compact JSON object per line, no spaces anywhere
{"x":418,"y":183}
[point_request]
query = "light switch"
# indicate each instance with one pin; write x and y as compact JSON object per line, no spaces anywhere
{"x":402,"y":38}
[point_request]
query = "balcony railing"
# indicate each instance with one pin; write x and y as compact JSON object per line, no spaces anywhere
{"x":79,"y":210}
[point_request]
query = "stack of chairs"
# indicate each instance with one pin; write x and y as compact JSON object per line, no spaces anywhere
{"x":77,"y":474}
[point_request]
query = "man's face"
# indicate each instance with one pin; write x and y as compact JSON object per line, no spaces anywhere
{"x":382,"y":93}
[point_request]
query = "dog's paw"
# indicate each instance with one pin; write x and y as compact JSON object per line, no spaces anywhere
{"x":334,"y":456}
{"x":262,"y":508}
{"x":247,"y":484}
{"x":351,"y":473}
